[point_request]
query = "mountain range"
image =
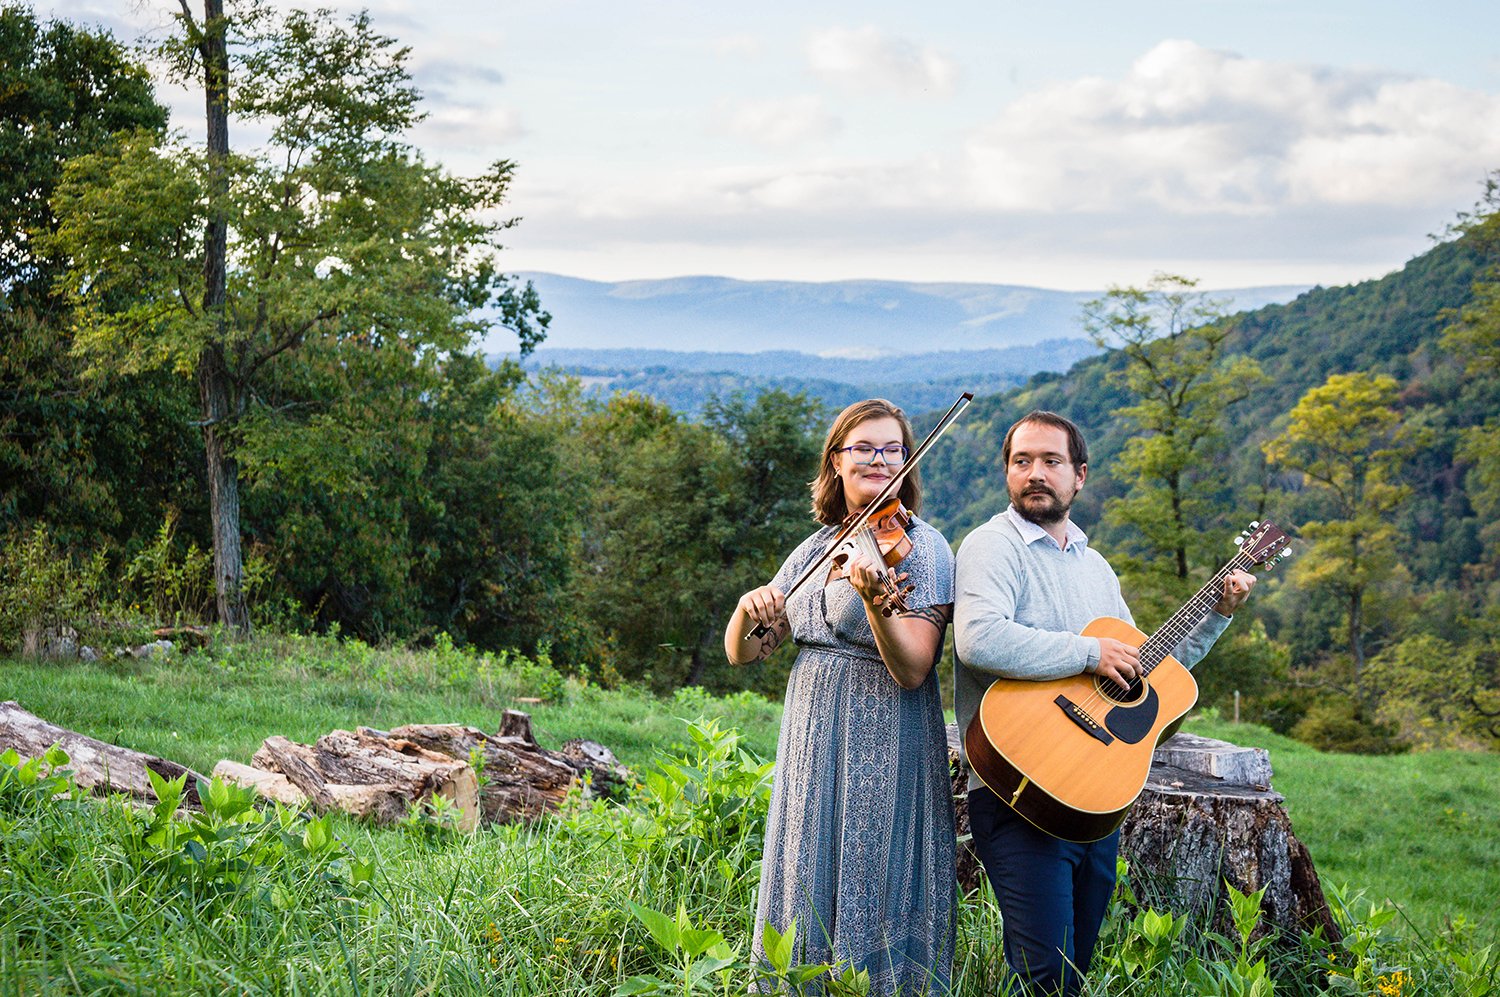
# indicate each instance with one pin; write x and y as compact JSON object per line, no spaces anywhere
{"x":683,"y":340}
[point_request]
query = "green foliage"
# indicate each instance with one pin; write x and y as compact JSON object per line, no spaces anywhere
{"x":89,"y":458}
{"x":683,"y":518}
{"x":1347,"y":441}
{"x":1339,"y":723}
{"x":1439,"y":694}
{"x":175,"y":587}
{"x":44,"y":587}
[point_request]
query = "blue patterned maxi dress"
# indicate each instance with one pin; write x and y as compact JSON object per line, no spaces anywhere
{"x":860,"y":841}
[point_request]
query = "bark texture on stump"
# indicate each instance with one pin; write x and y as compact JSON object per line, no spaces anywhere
{"x":1207,"y":814}
{"x":1191,"y":830}
{"x":97,"y":766}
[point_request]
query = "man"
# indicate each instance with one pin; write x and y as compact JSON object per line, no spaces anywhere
{"x":1027,"y":584}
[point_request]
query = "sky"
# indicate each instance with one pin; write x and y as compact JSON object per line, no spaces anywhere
{"x":1071,"y":145}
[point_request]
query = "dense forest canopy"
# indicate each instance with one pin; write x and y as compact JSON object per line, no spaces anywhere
{"x":395,"y":487}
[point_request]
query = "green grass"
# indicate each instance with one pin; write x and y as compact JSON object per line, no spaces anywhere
{"x":1417,"y":829}
{"x":88,"y":904}
{"x":1421,"y":830}
{"x":201,"y":708}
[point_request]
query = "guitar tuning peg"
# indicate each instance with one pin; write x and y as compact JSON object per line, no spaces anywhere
{"x":1255,"y":524}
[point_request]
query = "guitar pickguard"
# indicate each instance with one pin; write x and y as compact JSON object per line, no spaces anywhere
{"x":1131,"y":724}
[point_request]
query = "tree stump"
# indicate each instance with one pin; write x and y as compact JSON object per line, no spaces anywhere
{"x":97,"y":766}
{"x":1207,"y":814}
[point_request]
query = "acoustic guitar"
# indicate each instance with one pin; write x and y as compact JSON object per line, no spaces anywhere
{"x":1071,"y":755}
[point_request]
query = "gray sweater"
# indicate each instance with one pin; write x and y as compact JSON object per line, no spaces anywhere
{"x":1020,"y":601}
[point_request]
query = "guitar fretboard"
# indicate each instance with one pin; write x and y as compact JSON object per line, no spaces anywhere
{"x":1160,"y":644}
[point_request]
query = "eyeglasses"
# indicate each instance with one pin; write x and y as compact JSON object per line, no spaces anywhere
{"x":865,"y":454}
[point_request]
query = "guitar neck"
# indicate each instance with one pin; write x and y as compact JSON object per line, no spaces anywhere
{"x":1161,"y":644}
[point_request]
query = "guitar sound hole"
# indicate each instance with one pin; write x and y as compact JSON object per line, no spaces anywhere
{"x":1116,"y":693}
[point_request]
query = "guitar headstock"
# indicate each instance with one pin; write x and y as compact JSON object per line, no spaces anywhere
{"x":1264,"y":544}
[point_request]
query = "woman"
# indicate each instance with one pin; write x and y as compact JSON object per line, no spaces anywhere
{"x":859,"y":842}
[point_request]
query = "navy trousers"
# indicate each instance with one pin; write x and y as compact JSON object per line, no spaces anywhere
{"x":1053,"y":894}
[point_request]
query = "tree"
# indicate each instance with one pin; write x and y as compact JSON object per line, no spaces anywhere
{"x":90,"y":458}
{"x":683,"y":518}
{"x":1346,"y":439}
{"x":1173,"y":340}
{"x":350,"y":267}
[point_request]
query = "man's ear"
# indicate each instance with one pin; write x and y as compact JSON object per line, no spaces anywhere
{"x":1083,"y":472}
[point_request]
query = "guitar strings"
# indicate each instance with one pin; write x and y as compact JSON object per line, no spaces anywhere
{"x":1176,"y":628}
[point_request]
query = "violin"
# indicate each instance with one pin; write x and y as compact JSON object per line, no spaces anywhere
{"x":882,"y":536}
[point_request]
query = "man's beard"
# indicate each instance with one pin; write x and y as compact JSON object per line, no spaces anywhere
{"x":1050,"y":514}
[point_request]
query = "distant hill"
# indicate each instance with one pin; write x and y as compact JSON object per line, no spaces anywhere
{"x":685,"y":339}
{"x":851,"y":318}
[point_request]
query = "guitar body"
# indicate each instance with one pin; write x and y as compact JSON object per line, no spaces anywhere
{"x":1066,"y":755}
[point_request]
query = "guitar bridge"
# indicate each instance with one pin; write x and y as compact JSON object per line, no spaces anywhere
{"x":1079,"y":716}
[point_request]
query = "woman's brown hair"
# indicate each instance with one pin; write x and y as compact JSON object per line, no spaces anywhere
{"x":828,"y":505}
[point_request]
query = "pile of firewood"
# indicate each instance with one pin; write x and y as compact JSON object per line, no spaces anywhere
{"x":379,"y":775}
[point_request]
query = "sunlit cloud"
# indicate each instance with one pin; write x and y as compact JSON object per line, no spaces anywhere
{"x":784,"y":122}
{"x":1190,"y":130}
{"x":864,"y":59}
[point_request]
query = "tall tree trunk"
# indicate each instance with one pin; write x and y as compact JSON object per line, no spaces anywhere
{"x":216,"y":389}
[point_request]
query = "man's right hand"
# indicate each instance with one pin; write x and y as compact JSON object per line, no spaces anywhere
{"x":1118,"y":661}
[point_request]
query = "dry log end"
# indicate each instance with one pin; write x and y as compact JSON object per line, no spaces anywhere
{"x":462,"y":789}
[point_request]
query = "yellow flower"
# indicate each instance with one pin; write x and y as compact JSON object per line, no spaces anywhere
{"x":561,"y":941}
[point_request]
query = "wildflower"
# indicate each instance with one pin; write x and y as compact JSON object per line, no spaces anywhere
{"x":561,"y":941}
{"x":1392,"y":984}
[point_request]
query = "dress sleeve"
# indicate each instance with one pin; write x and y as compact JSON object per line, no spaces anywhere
{"x":796,"y":561}
{"x":929,"y":569}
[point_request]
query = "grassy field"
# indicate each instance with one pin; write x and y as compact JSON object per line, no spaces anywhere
{"x":201,"y":708}
{"x":1421,"y":830}
{"x":94,"y":900}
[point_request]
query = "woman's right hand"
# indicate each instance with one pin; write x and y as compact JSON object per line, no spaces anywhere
{"x":764,"y":605}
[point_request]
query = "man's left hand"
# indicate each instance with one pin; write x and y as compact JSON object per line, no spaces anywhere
{"x":1237,"y":588}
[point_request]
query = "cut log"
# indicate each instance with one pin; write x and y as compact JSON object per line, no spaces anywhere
{"x":607,"y":777}
{"x":521,"y":780}
{"x":1207,"y":814}
{"x":378,"y":774}
{"x":271,"y":785}
{"x":371,"y":776}
{"x":97,"y":766}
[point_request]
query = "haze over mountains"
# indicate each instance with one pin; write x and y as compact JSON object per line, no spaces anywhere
{"x":682,"y":339}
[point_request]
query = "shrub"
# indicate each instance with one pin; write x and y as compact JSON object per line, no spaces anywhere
{"x":1337,"y":723}
{"x":44,"y":587}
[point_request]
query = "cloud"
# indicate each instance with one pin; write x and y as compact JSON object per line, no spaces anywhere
{"x":469,"y":126}
{"x":744,"y":46}
{"x":784,"y":122}
{"x":863,"y":59}
{"x":1190,"y":130}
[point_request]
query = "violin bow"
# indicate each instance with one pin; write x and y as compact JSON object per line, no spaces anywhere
{"x":950,"y":417}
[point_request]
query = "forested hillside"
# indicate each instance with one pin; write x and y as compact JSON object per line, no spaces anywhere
{"x":1397,"y":578}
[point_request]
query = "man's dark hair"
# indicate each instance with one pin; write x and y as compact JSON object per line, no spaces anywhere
{"x":1078,"y":451}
